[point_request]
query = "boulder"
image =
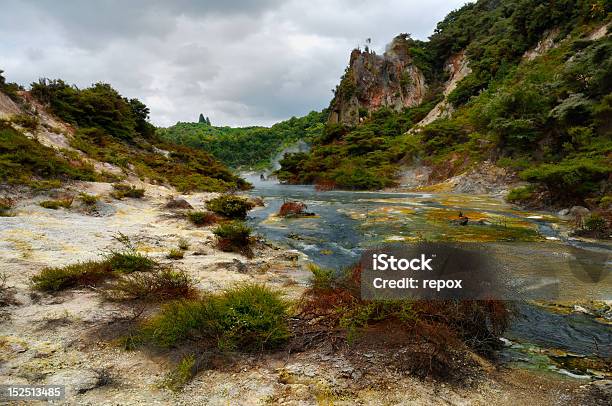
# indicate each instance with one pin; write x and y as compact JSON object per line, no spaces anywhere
{"x":563,"y":212}
{"x":578,"y":211}
{"x":178,"y":203}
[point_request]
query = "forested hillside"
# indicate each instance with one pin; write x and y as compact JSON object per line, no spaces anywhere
{"x":247,"y":147}
{"x":536,"y":99}
{"x":89,"y":126}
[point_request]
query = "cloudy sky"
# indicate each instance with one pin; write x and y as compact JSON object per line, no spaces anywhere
{"x":246,"y":62}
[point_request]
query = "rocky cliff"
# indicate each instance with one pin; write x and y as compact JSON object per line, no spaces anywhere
{"x":372,"y":81}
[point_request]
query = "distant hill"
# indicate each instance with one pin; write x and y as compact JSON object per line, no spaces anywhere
{"x":246,"y":147}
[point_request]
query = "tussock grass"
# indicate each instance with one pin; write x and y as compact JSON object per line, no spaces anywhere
{"x":53,"y":279}
{"x":56,"y":204}
{"x":182,"y":373}
{"x":122,"y":190}
{"x":247,"y":317}
{"x":6,"y":205}
{"x":87,"y":199}
{"x":175,"y":253}
{"x":114,"y":264}
{"x":202,"y":218}
{"x":183,"y":244}
{"x":158,"y":286}
{"x":234,"y":236}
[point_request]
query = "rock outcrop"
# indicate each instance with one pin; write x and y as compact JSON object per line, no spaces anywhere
{"x":372,"y":81}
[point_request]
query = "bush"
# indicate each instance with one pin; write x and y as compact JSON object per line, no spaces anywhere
{"x":202,"y":218}
{"x":56,"y":204}
{"x":520,"y":194}
{"x":161,"y":285}
{"x":122,"y":190}
{"x":6,"y":205}
{"x":26,"y":121}
{"x":596,"y":223}
{"x":230,"y":206}
{"x":247,"y":317}
{"x":184,"y":371}
{"x":321,"y":278}
{"x":183,"y":244}
{"x":129,"y":261}
{"x":175,"y":254}
{"x":570,"y":177}
{"x":233,"y":236}
{"x":88,"y":200}
{"x":292,"y":209}
{"x":81,"y":274}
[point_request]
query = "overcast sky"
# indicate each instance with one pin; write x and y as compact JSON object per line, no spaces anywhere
{"x":239,"y":62}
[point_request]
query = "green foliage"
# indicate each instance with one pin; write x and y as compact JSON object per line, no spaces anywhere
{"x":56,"y":204}
{"x":175,"y":253}
{"x":182,"y":373}
{"x":6,"y":205}
{"x":247,"y":317}
{"x":363,"y":157}
{"x":250,"y":147}
{"x":122,"y":190}
{"x":156,"y":286}
{"x":570,"y":177}
{"x":230,"y":206}
{"x":114,"y":264}
{"x":81,"y":274}
{"x":183,"y":244}
{"x":233,"y":235}
{"x":26,"y":161}
{"x":98,"y":106}
{"x":87,"y":199}
{"x":115,"y":129}
{"x":322,"y":278}
{"x":202,"y":218}
{"x":10,"y":88}
{"x":520,"y":194}
{"x":596,"y":223}
{"x":26,"y":121}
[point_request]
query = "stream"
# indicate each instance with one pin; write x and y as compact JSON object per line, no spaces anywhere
{"x":540,"y":336}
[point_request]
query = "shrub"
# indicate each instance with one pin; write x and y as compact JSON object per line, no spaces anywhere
{"x":246,"y":317}
{"x":184,"y":371}
{"x":230,"y":206}
{"x":233,"y":236}
{"x":183,"y":244}
{"x":321,"y":278}
{"x":122,"y":190}
{"x":596,"y":223}
{"x":292,"y":209}
{"x":202,"y":218}
{"x":175,"y":254}
{"x":88,"y":200}
{"x":576,"y":176}
{"x":130,"y":261}
{"x":161,"y":285}
{"x":520,"y":194}
{"x":6,"y":205}
{"x":53,"y":279}
{"x":56,"y":204}
{"x":26,"y":121}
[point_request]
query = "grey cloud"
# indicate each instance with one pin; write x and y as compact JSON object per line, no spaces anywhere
{"x":239,"y":62}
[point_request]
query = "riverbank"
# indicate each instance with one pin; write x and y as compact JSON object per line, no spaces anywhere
{"x":72,"y":337}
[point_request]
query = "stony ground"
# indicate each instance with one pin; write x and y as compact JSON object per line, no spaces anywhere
{"x":70,"y":338}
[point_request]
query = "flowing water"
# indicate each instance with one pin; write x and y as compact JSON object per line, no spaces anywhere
{"x":346,"y":223}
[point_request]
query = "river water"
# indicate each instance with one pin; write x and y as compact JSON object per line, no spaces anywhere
{"x":347,"y":222}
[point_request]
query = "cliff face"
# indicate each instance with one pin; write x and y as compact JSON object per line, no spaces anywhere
{"x":372,"y":81}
